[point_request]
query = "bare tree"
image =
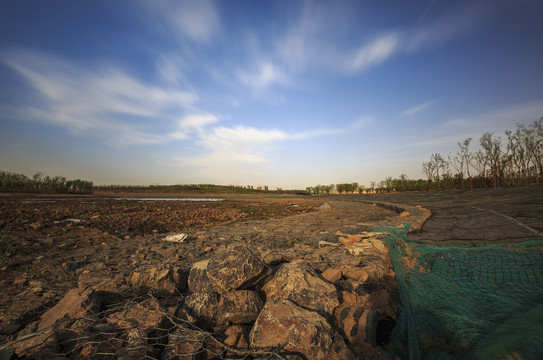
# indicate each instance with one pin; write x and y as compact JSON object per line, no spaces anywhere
{"x":492,"y":151}
{"x":440,"y":165}
{"x":428,"y":169}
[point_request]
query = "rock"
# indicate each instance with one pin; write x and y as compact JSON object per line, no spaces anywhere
{"x":237,"y":269}
{"x":164,"y":280}
{"x":237,"y":336}
{"x":204,"y":306}
{"x":357,"y":325}
{"x":355,"y":273}
{"x":75,"y":304}
{"x":146,"y":315}
{"x":136,"y":345}
{"x":29,"y":343}
{"x":331,"y":275}
{"x":300,"y":284}
{"x":239,"y":307}
{"x":340,"y":350}
{"x":272,"y":257}
{"x":184,"y":344}
{"x":405,"y":214}
{"x":198,"y":280}
{"x":286,"y":326}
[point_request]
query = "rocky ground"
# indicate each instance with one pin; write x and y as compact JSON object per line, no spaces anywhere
{"x":254,"y":278}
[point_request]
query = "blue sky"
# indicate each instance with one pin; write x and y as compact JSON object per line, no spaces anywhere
{"x":281,"y":93}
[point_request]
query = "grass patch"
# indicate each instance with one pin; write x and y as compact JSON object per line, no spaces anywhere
{"x":6,"y":246}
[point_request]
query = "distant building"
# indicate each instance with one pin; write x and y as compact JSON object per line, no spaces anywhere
{"x":266,"y":187}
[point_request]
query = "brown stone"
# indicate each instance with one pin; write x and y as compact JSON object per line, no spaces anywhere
{"x":75,"y":304}
{"x":239,"y":307}
{"x":300,"y":284}
{"x":146,"y":315}
{"x":355,"y":238}
{"x":237,"y":269}
{"x":184,"y":345}
{"x":292,"y":329}
{"x":43,"y":343}
{"x":164,"y":280}
{"x":198,"y":280}
{"x":237,"y":336}
{"x":204,"y":306}
{"x":331,"y":275}
{"x":355,"y":273}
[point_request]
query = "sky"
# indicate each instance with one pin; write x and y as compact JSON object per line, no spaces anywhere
{"x":281,"y":93}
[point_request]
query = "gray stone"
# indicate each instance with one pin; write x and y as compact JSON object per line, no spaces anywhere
{"x":301,"y":284}
{"x":237,"y":269}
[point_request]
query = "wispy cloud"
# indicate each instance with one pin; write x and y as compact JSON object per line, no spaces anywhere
{"x":197,"y":21}
{"x":193,"y":123}
{"x":455,"y":22}
{"x":498,"y":120}
{"x":265,"y":74}
{"x":375,"y":52}
{"x":103,"y":100}
{"x":416,"y":109}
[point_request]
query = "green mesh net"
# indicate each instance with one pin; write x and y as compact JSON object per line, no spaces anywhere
{"x":467,"y":302}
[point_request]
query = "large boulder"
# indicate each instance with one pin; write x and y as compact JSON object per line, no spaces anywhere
{"x":239,"y":307}
{"x":299,"y":283}
{"x":237,"y":269}
{"x":147,"y":315}
{"x":204,"y":306}
{"x":164,"y":280}
{"x":286,"y":326}
{"x":198,"y":280}
{"x":75,"y":304}
{"x":184,"y":344}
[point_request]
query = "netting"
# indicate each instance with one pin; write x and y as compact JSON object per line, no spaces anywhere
{"x":472,"y":302}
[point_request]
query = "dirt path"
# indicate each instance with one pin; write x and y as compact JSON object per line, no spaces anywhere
{"x":482,"y":217}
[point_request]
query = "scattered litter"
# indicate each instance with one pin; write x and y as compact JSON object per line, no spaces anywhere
{"x":67,"y":220}
{"x":295,"y":205}
{"x":324,"y":206}
{"x":176,"y":238}
{"x":327,"y":243}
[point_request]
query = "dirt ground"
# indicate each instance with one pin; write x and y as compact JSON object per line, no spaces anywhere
{"x":47,"y":242}
{"x":481,"y":217}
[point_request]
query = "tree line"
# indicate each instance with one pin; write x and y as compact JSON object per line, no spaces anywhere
{"x":191,"y":188}
{"x":38,"y":183}
{"x":514,"y":160}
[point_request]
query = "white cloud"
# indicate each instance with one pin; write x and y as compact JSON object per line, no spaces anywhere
{"x":264,"y":75}
{"x":198,"y":21}
{"x":169,"y":69}
{"x":102,"y":101}
{"x":191,"y":123}
{"x":416,"y":109}
{"x":197,"y":121}
{"x":377,"y":51}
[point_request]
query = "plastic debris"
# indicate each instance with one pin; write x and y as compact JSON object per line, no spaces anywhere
{"x":176,"y":238}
